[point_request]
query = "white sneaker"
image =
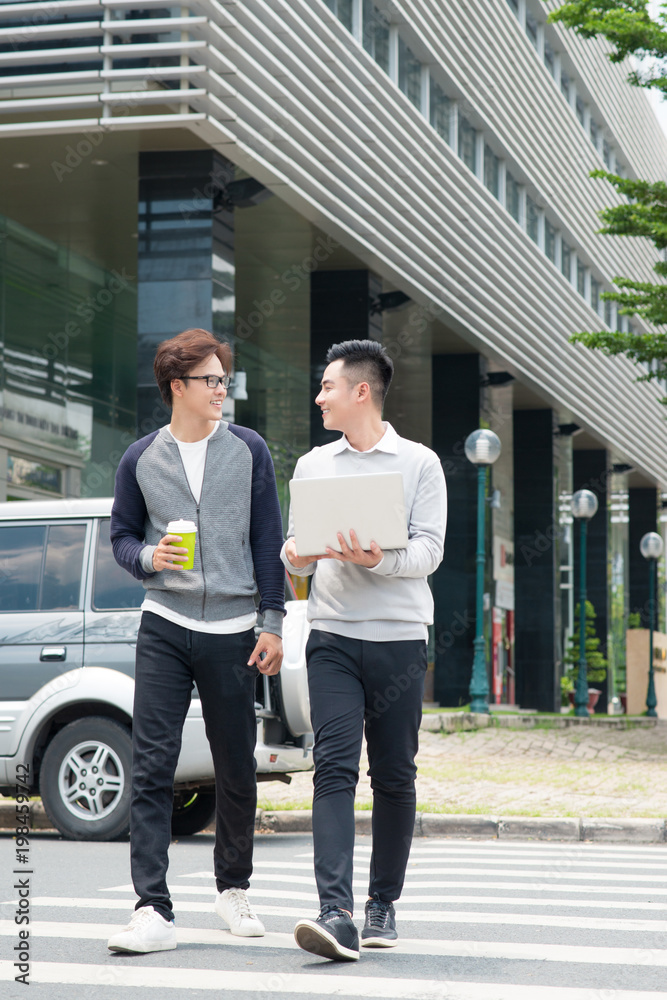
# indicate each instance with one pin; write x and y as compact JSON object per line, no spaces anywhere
{"x":232,"y":905}
{"x":147,"y":931}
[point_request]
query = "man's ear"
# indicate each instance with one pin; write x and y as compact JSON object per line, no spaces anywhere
{"x":176,"y":387}
{"x":363,"y":391}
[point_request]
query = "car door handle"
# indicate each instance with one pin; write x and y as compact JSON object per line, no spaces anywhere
{"x":53,"y":654}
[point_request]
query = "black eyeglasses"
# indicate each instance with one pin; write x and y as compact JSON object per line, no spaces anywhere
{"x":212,"y":381}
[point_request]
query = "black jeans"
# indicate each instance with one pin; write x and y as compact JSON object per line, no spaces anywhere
{"x":353,"y":682}
{"x":170,"y":659}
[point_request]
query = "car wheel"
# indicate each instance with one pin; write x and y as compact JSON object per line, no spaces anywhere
{"x":194,"y":810}
{"x":85,"y":780}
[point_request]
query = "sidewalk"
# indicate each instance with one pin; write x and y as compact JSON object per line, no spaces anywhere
{"x":526,"y":776}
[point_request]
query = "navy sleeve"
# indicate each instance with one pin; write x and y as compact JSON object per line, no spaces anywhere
{"x":266,"y":523}
{"x":128,"y":514}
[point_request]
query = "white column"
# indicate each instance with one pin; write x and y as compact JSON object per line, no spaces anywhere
{"x":393,"y":53}
{"x":425,"y":100}
{"x":479,"y":155}
{"x":540,"y":41}
{"x":557,"y":68}
{"x":3,"y":474}
{"x":522,"y":14}
{"x":587,"y":285}
{"x":522,"y":206}
{"x":502,"y":183}
{"x":454,"y":126}
{"x":357,"y":20}
{"x":540,"y":230}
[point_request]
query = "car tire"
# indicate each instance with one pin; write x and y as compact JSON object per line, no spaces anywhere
{"x":194,"y":810}
{"x":85,"y":779}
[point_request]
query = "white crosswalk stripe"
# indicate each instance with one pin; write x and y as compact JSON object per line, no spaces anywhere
{"x":519,"y":922}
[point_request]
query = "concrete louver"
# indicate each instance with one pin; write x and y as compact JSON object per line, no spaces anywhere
{"x":283,"y":90}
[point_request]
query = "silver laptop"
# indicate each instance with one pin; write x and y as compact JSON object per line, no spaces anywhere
{"x":373,"y":506}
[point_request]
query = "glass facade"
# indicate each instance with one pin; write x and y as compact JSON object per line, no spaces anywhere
{"x":468,"y":143}
{"x":513,"y":197}
{"x":440,"y":110}
{"x":566,"y":260}
{"x":409,"y":74}
{"x":376,"y":34}
{"x":532,"y":220}
{"x":491,"y":171}
{"x":550,"y":237}
{"x":343,"y":11}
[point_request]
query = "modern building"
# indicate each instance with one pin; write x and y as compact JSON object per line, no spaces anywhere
{"x":289,"y":173}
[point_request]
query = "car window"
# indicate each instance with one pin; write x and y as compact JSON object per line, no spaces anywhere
{"x":114,"y":588}
{"x":21,"y":554}
{"x":61,"y":583}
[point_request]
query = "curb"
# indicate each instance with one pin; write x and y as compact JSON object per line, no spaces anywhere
{"x":600,"y":830}
{"x":458,"y":722}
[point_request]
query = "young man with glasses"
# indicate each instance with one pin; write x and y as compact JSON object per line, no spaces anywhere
{"x":197,"y":626}
{"x":366,"y":653}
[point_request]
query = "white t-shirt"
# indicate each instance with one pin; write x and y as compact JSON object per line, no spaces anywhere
{"x":193,"y":456}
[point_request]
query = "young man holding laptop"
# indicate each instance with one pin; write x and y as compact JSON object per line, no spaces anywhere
{"x":369,"y":610}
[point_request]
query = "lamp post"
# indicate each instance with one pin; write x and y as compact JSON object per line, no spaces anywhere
{"x":584,"y":505}
{"x":482,"y":448}
{"x":651,"y":548}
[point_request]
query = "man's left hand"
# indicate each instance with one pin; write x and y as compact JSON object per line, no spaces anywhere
{"x":355,"y":554}
{"x":272,"y":645}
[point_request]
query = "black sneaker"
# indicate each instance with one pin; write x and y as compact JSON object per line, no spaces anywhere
{"x":332,"y":935}
{"x":380,"y":927}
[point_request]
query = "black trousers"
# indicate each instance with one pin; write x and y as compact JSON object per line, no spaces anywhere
{"x":170,"y":660}
{"x":380,"y":685}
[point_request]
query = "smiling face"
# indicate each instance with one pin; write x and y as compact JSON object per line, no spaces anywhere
{"x":339,"y":398}
{"x":194,"y":395}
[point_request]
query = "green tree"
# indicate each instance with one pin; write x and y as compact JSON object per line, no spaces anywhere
{"x":596,"y":664}
{"x":631,"y":31}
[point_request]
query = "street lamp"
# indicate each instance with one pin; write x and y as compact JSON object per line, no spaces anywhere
{"x":482,"y":448}
{"x":583,"y":505}
{"x":651,"y":549}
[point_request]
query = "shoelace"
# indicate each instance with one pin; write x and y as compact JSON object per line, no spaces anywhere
{"x":141,"y":916}
{"x":377,"y":913}
{"x":239,"y":901}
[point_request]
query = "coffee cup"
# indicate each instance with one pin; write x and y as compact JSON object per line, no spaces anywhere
{"x":187,"y":531}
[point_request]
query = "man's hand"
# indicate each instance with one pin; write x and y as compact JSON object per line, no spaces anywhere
{"x":360,"y":557}
{"x":168,"y":556}
{"x":272,"y":645}
{"x":296,"y":560}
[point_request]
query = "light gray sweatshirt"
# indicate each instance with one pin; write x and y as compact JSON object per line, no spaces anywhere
{"x":393,"y":600}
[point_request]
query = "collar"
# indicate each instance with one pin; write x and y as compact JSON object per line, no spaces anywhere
{"x":387,"y":443}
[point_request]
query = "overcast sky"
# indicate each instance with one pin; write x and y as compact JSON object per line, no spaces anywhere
{"x":658,"y":102}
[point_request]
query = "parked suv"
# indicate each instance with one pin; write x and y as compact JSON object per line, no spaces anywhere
{"x":68,"y":627}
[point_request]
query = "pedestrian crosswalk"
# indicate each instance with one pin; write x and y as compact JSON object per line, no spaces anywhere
{"x":478,"y":920}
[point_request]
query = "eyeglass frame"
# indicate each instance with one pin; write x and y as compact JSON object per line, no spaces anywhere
{"x":225,"y":380}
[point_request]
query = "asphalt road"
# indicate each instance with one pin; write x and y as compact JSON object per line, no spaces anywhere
{"x":479,"y":920}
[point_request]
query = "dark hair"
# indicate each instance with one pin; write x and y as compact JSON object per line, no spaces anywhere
{"x":175,"y":357}
{"x":365,"y":361}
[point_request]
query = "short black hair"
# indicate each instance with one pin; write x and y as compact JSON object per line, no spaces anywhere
{"x":365,"y":361}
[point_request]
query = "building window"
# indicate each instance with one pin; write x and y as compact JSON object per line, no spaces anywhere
{"x":467,"y":143}
{"x":606,"y":154}
{"x":531,"y":28}
{"x":579,"y":108}
{"x":550,"y":241}
{"x":565,"y":86}
{"x":376,"y":35}
{"x":25,"y":472}
{"x":595,"y":132}
{"x":440,"y":110}
{"x":581,"y":277}
{"x":512,"y":197}
{"x":409,"y":74}
{"x":343,"y":11}
{"x":549,"y":58}
{"x":565,"y":261}
{"x":491,"y":171}
{"x":532,"y":220}
{"x":609,"y":313}
{"x":514,"y":4}
{"x":595,"y":294}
